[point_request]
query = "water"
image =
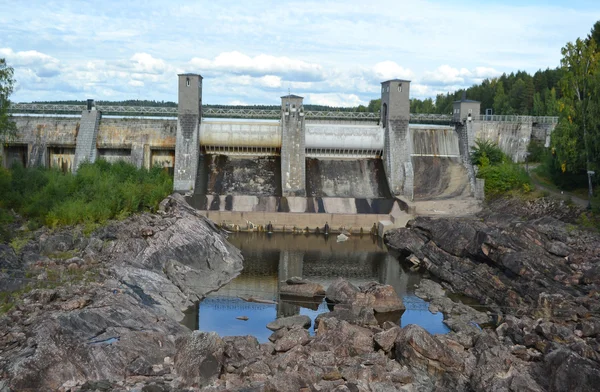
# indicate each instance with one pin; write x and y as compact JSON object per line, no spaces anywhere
{"x":269,"y":259}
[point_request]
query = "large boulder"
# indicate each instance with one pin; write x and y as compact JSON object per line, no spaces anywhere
{"x":199,"y":359}
{"x":297,"y":287}
{"x":385,"y":297}
{"x":290,"y":322}
{"x":341,"y":291}
{"x":341,"y":338}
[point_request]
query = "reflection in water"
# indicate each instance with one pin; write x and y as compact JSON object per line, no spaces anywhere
{"x":270,"y":259}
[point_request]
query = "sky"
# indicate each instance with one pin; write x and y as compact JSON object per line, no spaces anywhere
{"x":253,"y":52}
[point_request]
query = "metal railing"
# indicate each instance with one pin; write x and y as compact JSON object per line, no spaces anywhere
{"x":45,"y":108}
{"x":517,"y":118}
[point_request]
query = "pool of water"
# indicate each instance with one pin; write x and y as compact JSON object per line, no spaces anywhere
{"x":270,"y":259}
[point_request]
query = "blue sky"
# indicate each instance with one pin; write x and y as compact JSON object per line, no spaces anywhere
{"x":331,"y":52}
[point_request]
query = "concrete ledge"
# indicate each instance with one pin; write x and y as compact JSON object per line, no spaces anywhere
{"x":294,"y":221}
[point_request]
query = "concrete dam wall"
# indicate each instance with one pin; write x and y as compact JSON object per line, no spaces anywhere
{"x":236,"y":175}
{"x":361,"y":178}
{"x":439,"y":169}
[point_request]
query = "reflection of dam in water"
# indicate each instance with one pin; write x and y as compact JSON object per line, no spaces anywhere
{"x":270,"y":259}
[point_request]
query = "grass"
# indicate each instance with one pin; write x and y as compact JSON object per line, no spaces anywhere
{"x":97,"y":193}
{"x":56,"y":276}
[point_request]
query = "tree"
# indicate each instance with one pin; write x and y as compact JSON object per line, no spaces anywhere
{"x":501,"y":101}
{"x":8,"y":127}
{"x":539,"y":109}
{"x":374,"y":105}
{"x":595,"y":35}
{"x":577,"y":128}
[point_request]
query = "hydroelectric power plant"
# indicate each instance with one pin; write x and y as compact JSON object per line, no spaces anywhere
{"x":292,"y":168}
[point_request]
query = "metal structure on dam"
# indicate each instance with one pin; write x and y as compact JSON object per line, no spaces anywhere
{"x":244,"y":160}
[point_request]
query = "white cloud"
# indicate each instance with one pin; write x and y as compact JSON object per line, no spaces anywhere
{"x":334,"y":99}
{"x":261,"y":65}
{"x":43,"y":65}
{"x":387,"y":70}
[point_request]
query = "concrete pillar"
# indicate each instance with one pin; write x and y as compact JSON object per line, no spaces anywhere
{"x":137,"y":155}
{"x":395,"y":116}
{"x":187,"y":145}
{"x":147,"y":157}
{"x":293,"y":152}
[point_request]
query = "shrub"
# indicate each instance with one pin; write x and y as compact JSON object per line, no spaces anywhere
{"x":485,"y":149}
{"x":537,"y":151}
{"x":100,"y":191}
{"x":504,"y":177}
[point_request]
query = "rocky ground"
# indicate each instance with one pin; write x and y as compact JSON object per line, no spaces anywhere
{"x":105,"y":308}
{"x":101,"y":313}
{"x":539,"y":279}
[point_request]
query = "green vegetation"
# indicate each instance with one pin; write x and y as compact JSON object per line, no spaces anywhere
{"x":55,"y":276}
{"x":486,"y":153}
{"x":7,"y":126}
{"x":98,"y":192}
{"x":501,"y":175}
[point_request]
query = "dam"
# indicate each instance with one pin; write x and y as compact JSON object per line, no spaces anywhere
{"x":291,"y":168}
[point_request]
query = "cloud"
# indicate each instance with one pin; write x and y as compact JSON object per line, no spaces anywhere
{"x":42,"y":65}
{"x":387,"y":70}
{"x":448,"y":76}
{"x":334,"y":99}
{"x":261,"y":65}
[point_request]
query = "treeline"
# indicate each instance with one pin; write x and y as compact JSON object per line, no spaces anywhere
{"x":516,"y":93}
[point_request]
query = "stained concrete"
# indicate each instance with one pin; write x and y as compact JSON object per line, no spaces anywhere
{"x":227,"y":175}
{"x":440,"y":178}
{"x":364,"y":178}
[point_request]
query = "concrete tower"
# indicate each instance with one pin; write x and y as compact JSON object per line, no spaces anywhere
{"x":293,"y":153}
{"x":395,"y":116}
{"x":187,"y":147}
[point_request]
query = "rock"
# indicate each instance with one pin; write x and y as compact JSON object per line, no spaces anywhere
{"x":241,"y":351}
{"x":123,"y":323}
{"x":292,"y":338}
{"x":290,"y":322}
{"x":417,"y":347}
{"x":341,"y":291}
{"x":358,"y":315}
{"x":301,"y":288}
{"x":386,"y":339}
{"x":199,"y":359}
{"x":243,"y":318}
{"x":342,"y":238}
{"x":386,"y":298}
{"x":341,"y":338}
{"x":564,"y":370}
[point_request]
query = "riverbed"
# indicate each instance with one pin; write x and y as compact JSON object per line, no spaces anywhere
{"x":272,"y":258}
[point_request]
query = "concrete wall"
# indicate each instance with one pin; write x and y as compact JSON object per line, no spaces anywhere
{"x":512,"y":137}
{"x":43,"y":132}
{"x":434,"y":141}
{"x":138,"y":135}
{"x":359,"y":178}
{"x":289,"y":220}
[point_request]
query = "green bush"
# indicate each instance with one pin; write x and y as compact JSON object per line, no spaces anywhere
{"x":485,"y":152}
{"x":537,"y":151}
{"x":98,"y":192}
{"x":504,"y":177}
